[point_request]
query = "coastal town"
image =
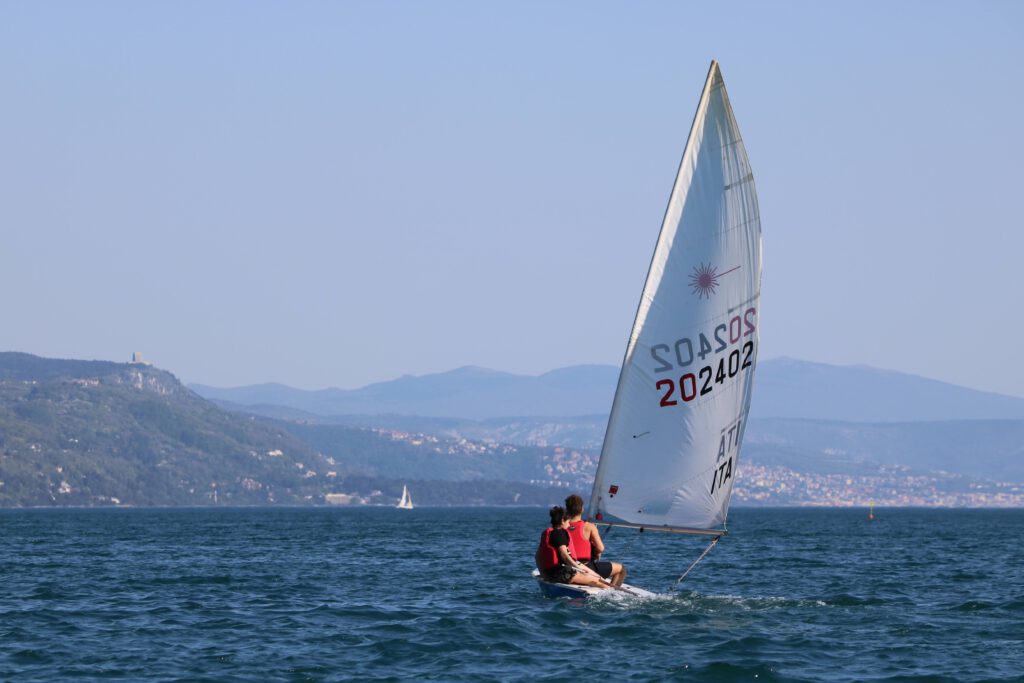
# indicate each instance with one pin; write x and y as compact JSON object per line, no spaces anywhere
{"x":892,"y":486}
{"x":759,"y":484}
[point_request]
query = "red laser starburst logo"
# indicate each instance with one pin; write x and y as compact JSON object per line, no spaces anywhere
{"x":704,"y":279}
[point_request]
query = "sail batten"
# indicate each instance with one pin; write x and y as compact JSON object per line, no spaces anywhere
{"x":688,"y":368}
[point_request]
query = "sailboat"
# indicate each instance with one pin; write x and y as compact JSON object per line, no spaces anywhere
{"x":673,"y":438}
{"x":406,"y":502}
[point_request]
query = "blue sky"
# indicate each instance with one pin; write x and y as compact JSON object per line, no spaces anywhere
{"x":330,"y":194}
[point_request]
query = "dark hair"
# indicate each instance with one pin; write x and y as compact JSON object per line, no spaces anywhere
{"x":557,"y":515}
{"x":573,"y":505}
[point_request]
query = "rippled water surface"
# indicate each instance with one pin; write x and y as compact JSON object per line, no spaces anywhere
{"x":445,"y":594}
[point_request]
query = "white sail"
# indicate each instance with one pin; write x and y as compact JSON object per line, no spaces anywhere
{"x":670,"y":451}
{"x":406,"y":502}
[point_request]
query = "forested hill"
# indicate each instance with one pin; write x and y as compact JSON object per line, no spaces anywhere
{"x":29,"y":368}
{"x":100,"y":433}
{"x":94,"y":432}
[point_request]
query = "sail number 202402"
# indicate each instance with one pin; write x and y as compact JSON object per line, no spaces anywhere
{"x":706,"y":378}
{"x":691,"y":385}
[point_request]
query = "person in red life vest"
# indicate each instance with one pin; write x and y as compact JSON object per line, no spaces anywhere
{"x":588,"y":545}
{"x":554,"y":555}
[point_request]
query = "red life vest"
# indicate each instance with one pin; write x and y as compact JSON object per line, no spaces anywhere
{"x":581,"y":544}
{"x":547,"y":555}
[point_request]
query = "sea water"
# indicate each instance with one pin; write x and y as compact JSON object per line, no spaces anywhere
{"x":314,"y":594}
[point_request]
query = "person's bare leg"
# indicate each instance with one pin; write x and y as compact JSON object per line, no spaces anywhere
{"x":618,"y":574}
{"x":587,"y":580}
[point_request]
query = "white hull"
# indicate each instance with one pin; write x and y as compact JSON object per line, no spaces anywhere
{"x":551,"y":589}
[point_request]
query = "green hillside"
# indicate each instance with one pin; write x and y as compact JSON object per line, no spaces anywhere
{"x":95,"y":433}
{"x":99,"y":433}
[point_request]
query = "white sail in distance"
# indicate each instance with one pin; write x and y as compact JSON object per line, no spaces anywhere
{"x":406,"y":502}
{"x":671,"y":448}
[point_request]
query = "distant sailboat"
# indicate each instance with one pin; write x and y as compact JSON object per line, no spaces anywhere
{"x":680,"y":410}
{"x":406,"y":502}
{"x":871,"y":511}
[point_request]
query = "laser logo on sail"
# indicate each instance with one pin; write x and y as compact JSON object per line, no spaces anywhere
{"x":704,"y":279}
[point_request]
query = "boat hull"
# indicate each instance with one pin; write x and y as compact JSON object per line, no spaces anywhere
{"x":550,"y":589}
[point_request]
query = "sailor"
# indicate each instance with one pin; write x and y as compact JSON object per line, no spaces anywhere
{"x":554,"y":555}
{"x":587,"y":543}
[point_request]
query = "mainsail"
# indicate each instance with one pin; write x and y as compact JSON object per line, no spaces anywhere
{"x":670,"y":450}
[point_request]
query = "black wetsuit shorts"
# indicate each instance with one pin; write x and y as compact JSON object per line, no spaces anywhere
{"x":560,"y":574}
{"x":601,"y":567}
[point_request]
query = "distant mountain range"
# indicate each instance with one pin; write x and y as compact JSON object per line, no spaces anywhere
{"x":808,"y":418}
{"x":788,"y":388}
{"x":784,"y":388}
{"x":467,"y":392}
{"x":100,"y":433}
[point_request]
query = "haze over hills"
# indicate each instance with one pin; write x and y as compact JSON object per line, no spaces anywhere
{"x":814,"y":428}
{"x":101,"y":433}
{"x":784,"y":388}
{"x":466,"y":392}
{"x":982,"y":449}
{"x":788,"y":388}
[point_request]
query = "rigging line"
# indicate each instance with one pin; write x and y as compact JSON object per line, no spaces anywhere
{"x":690,"y":568}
